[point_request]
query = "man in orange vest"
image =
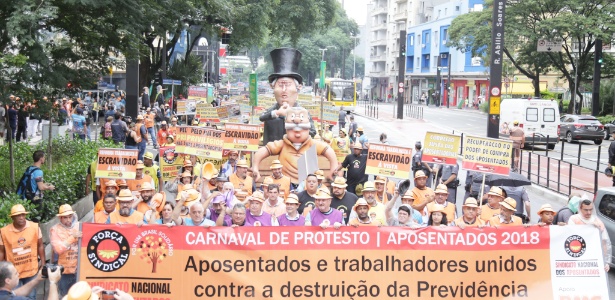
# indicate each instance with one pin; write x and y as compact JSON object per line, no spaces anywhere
{"x":506,"y":216}
{"x":140,"y":178}
{"x":126,"y":214}
{"x":109,"y":204}
{"x":280,"y":179}
{"x":240,"y":179}
{"x":22,"y":245}
{"x":64,"y":240}
{"x":150,"y":119}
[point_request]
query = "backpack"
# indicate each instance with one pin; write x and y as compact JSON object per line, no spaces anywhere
{"x":25,"y":184}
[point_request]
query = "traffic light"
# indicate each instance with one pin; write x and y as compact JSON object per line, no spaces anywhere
{"x":69,"y":85}
{"x":219,"y":78}
{"x":403,"y":49}
{"x":158,"y":78}
{"x":600,"y":60}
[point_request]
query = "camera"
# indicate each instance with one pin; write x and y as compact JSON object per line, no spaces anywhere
{"x":108,"y":295}
{"x":52,"y":267}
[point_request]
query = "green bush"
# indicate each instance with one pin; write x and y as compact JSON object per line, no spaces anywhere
{"x":606,"y":119}
{"x":8,"y":201}
{"x":70,"y":160}
{"x":484,"y":107}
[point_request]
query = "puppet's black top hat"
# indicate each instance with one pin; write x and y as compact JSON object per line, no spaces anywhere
{"x":285,"y":64}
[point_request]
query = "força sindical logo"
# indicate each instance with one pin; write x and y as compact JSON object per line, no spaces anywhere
{"x":108,"y":250}
{"x":575,"y":246}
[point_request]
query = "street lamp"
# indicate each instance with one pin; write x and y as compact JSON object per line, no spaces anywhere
{"x":354,"y":60}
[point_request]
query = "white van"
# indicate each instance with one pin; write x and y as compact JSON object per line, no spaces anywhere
{"x":538,"y":118}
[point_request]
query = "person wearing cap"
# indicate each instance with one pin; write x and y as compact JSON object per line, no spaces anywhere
{"x":256,"y":216}
{"x":323,"y":214}
{"x":343,"y":200}
{"x":292,"y":216}
{"x":64,"y":238}
{"x":441,"y":200}
{"x":447,"y":175}
{"x":126,"y":214}
{"x":108,"y":186}
{"x":196,"y":216}
{"x":150,"y":121}
{"x":140,"y":178}
{"x":274,"y":204}
{"x":306,"y":197}
{"x":363,"y":140}
{"x":506,"y":217}
{"x":240,"y":179}
{"x":492,"y":208}
{"x":230,"y":166}
{"x":406,"y":215}
{"x":419,"y":165}
{"x":421,"y":193}
{"x":11,"y":288}
{"x":180,"y":183}
{"x":572,"y":207}
{"x":381,"y":195}
{"x":280,"y":179}
{"x":437,"y":217}
{"x":153,"y":170}
{"x":375,"y":207}
{"x":286,"y":83}
{"x":355,"y":164}
{"x":197,"y":167}
{"x":150,"y":201}
{"x":267,"y":181}
{"x":470,"y":217}
{"x":109,"y":205}
{"x":21,"y":243}
{"x":523,"y":201}
{"x":162,"y":134}
{"x":586,"y":216}
{"x":220,"y":181}
{"x":361,"y":208}
{"x":517,"y":135}
{"x":546,"y":214}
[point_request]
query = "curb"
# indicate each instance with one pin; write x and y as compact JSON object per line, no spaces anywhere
{"x":547,"y":193}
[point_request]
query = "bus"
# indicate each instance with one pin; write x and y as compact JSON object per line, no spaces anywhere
{"x":340,"y":92}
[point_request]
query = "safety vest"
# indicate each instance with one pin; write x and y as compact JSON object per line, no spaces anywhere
{"x":477,"y":222}
{"x":101,"y":217}
{"x":138,"y":131}
{"x":241,"y":184}
{"x":149,"y":120}
{"x":21,"y":248}
{"x":152,"y":172}
{"x":134,"y":218}
{"x":449,"y":209}
{"x":68,"y":257}
{"x":134,"y":185}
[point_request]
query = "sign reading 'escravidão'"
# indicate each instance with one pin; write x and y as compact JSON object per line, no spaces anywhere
{"x":362,"y":263}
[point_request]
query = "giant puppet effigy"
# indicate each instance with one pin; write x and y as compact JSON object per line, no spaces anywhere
{"x":288,"y":129}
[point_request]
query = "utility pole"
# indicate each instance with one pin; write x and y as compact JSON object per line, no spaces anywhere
{"x":401,"y":74}
{"x":448,"y":83}
{"x":597,"y":74}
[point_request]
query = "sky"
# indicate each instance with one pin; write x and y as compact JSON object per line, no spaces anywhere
{"x":356,"y":9}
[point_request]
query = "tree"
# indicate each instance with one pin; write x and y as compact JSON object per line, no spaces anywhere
{"x":152,"y":249}
{"x":577,"y":23}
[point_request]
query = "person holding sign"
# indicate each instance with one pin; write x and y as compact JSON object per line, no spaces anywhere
{"x":218,"y":207}
{"x":546,"y":214}
{"x":292,"y":216}
{"x":153,"y":170}
{"x":240,"y":179}
{"x":421,"y":193}
{"x":256,"y":216}
{"x":437,"y":217}
{"x":140,"y":178}
{"x":506,"y":217}
{"x":470,"y":215}
{"x":361,"y":208}
{"x":375,"y":207}
{"x":324,"y":215}
{"x":109,"y":204}
{"x":286,"y":83}
{"x":406,"y":216}
{"x":492,"y":208}
{"x":64,"y":237}
{"x":441,"y":203}
{"x":126,"y":214}
{"x":586,"y":216}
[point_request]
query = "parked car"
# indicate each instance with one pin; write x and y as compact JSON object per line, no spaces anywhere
{"x":604,"y":204}
{"x":579,"y":127}
{"x":608,"y":129}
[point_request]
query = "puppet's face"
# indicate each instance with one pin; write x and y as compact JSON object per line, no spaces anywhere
{"x":297,"y":124}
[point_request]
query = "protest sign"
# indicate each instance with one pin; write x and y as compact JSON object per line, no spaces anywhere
{"x":441,"y":148}
{"x":190,"y":262}
{"x":486,"y":155}
{"x":117,"y":163}
{"x":170,"y":162}
{"x":199,"y":141}
{"x":241,"y":137}
{"x":389,"y":161}
{"x":197,"y":92}
{"x":331,"y":114}
{"x":206,"y":113}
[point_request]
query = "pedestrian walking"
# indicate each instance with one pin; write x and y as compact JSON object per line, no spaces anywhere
{"x":32,"y":185}
{"x":342,"y":118}
{"x":517,"y":135}
{"x":22,"y":123}
{"x":352,"y":129}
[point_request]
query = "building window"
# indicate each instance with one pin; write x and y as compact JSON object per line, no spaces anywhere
{"x":435,"y":36}
{"x":456,"y":8}
{"x":435,"y":61}
{"x":418,"y":62}
{"x":445,"y":34}
{"x":426,"y":38}
{"x":411,"y":40}
{"x":446,"y":11}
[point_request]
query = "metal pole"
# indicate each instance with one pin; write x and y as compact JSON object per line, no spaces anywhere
{"x":576,"y":86}
{"x":448,"y":83}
